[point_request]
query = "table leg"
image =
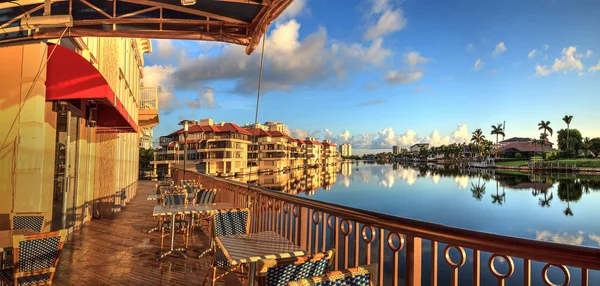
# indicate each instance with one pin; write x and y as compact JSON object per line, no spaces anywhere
{"x":178,"y":251}
{"x":251,"y":273}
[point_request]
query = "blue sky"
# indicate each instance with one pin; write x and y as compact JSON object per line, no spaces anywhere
{"x":382,"y":73}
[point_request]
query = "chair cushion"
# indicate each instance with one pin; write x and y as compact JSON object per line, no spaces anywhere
{"x":7,"y":277}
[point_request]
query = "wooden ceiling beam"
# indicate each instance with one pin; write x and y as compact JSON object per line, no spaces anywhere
{"x":185,"y":10}
{"x":262,"y":20}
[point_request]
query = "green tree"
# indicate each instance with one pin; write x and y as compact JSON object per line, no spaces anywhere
{"x":567,"y":119}
{"x":587,"y":145}
{"x":575,"y":142}
{"x":545,"y":125}
{"x":146,"y":155}
{"x":478,"y":138}
{"x":497,"y":130}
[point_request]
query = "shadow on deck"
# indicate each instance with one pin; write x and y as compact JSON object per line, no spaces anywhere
{"x":120,"y":251}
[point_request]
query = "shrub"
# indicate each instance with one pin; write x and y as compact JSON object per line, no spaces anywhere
{"x":518,"y":155}
{"x":551,"y":155}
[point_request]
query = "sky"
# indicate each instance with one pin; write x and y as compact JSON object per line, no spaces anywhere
{"x":380,"y":73}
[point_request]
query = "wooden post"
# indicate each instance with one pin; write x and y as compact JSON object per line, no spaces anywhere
{"x":413,"y":261}
{"x":304,"y":224}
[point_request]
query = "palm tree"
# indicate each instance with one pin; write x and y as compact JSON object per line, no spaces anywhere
{"x":547,"y":129}
{"x":587,"y":144}
{"x":543,"y":140}
{"x":567,"y":119}
{"x":478,"y":138}
{"x":497,"y":130}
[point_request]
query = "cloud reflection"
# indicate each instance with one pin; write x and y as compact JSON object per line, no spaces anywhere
{"x":563,"y":238}
{"x":462,"y":181}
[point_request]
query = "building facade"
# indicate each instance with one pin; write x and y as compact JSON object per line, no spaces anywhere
{"x":417,"y":147}
{"x":396,"y":149}
{"x":70,"y":143}
{"x":346,"y":150}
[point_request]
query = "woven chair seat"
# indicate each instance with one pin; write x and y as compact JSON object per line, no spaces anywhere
{"x":7,"y":277}
{"x":8,"y":263}
{"x":178,"y":223}
{"x":221,"y":259}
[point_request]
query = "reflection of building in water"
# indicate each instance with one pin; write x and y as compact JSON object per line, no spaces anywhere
{"x":275,"y":181}
{"x":346,"y":168}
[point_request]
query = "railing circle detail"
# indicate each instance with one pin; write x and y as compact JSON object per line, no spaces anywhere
{"x":316,"y":217}
{"x":511,"y":266}
{"x":286,"y":207}
{"x":561,"y":267}
{"x":461,"y":251}
{"x":346,"y":227}
{"x":330,"y":220}
{"x":295,"y":211}
{"x":364,"y":234}
{"x":391,"y":241}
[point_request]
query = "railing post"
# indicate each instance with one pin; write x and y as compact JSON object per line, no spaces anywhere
{"x":413,"y":261}
{"x":304,"y":224}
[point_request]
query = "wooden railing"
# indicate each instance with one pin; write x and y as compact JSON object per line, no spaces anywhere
{"x":364,"y":237}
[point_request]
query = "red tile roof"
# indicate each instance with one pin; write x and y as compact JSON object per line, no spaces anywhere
{"x":328,"y":144}
{"x":279,"y":134}
{"x":258,"y":132}
{"x":300,"y":141}
{"x":525,"y":147}
{"x":227,"y":127}
{"x":313,"y":142}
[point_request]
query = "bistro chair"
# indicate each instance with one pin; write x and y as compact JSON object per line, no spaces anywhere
{"x":278,"y":272}
{"x":175,"y":199}
{"x":35,"y":221}
{"x":365,"y":275}
{"x":35,"y":258}
{"x":226,"y":222}
{"x":204,"y":196}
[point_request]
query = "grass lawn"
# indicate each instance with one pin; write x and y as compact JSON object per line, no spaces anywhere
{"x":583,"y":163}
{"x":513,"y":163}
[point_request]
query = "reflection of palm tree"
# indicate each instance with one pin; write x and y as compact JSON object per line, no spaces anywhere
{"x":478,"y":190}
{"x":546,"y":201}
{"x":569,"y":191}
{"x":498,"y":199}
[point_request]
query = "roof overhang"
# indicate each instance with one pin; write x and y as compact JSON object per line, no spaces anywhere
{"x":241,"y":22}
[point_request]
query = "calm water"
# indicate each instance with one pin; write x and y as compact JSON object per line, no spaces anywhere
{"x":559,"y":208}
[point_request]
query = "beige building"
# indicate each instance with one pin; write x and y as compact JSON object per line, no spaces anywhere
{"x":268,"y":126}
{"x":69,"y":127}
{"x":297,"y":154}
{"x":313,"y":152}
{"x":270,"y":150}
{"x":329,"y":153}
{"x":346,"y":150}
{"x":215,"y":149}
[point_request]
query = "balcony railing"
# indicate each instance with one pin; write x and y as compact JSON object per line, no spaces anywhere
{"x":365,"y":237}
{"x":149,"y":97}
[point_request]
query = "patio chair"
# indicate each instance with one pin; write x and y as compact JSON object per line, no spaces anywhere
{"x":34,"y":221}
{"x":174,"y":199}
{"x":35,"y":259}
{"x":278,"y":272}
{"x":226,"y":222}
{"x":365,"y":275}
{"x":204,"y":196}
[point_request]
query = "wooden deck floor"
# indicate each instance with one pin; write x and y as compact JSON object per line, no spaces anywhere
{"x":119,"y":251}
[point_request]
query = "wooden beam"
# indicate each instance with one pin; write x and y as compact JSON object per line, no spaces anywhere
{"x":151,"y":21}
{"x":138,"y":12}
{"x":96,"y":8}
{"x":21,"y":16}
{"x":245,"y":2}
{"x":185,"y":10}
{"x":263,"y":19}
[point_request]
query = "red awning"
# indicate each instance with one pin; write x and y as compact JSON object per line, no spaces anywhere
{"x":70,"y":76}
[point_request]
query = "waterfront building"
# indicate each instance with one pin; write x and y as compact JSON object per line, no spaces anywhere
{"x":510,"y":147}
{"x":396,"y":149}
{"x":270,"y":150}
{"x":313,"y":151}
{"x":215,"y":149}
{"x":267,"y":126}
{"x":71,"y":126}
{"x":416,"y":148}
{"x":329,"y":153}
{"x":297,"y":154}
{"x":346,"y":150}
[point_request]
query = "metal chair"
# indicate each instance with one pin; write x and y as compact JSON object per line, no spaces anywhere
{"x":226,"y":222}
{"x":35,"y":260}
{"x":365,"y":275}
{"x":278,"y":272}
{"x":35,"y":221}
{"x":204,"y":196}
{"x":175,"y":199}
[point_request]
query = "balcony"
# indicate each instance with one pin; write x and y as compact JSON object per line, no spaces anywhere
{"x":148,"y":108}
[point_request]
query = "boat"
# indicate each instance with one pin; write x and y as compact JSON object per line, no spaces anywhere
{"x":485,"y":163}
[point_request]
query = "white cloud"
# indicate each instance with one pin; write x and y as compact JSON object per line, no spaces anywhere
{"x":595,"y":68}
{"x":376,"y":54}
{"x":541,"y":70}
{"x":460,"y":135}
{"x":569,"y":61}
{"x":378,"y":6}
{"x":391,"y":20}
{"x":205,"y":99}
{"x":500,"y":49}
{"x":158,"y":75}
{"x":546,"y":46}
{"x":414,"y":58}
{"x":292,"y":10}
{"x":588,"y":53}
{"x":401,"y":77}
{"x":563,"y":238}
{"x":469,"y":47}
{"x":532,"y":53}
{"x":595,"y":238}
{"x":478,"y":64}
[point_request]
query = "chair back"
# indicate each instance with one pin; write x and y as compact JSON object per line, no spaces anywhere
{"x":33,"y":221}
{"x":35,"y":257}
{"x":171,"y":199}
{"x":365,"y":275}
{"x":169,"y":189}
{"x":231,"y":222}
{"x":206,"y":196}
{"x":281,"y":271}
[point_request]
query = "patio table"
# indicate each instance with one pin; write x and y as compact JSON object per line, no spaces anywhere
{"x":250,"y":248}
{"x":173,"y":211}
{"x":153,"y":197}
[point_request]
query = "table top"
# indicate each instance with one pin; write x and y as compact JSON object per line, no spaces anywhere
{"x":257,"y":246}
{"x":152,"y":197}
{"x":190,"y":209}
{"x":6,"y":236}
